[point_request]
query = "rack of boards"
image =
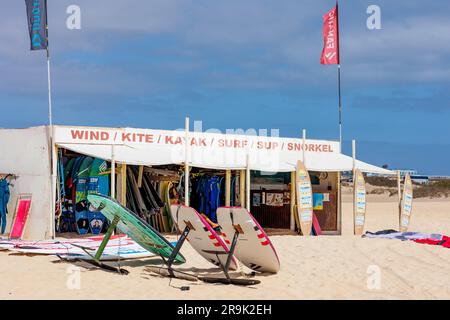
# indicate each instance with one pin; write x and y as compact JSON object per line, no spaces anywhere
{"x":148,"y":193}
{"x":78,"y":177}
{"x":150,"y":196}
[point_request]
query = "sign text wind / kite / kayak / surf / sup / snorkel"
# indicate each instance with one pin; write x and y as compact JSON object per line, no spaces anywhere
{"x":197,"y":139}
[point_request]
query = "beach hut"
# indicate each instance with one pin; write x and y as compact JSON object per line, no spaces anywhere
{"x":31,"y":154}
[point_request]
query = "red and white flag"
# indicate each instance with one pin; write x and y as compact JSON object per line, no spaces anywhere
{"x":330,"y":52}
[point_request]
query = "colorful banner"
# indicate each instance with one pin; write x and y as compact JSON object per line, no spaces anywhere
{"x":330,"y":51}
{"x":37,"y":23}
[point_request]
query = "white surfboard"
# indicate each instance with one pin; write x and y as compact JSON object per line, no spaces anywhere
{"x":254,"y":248}
{"x":359,"y":202}
{"x":202,"y":236}
{"x":406,"y":204}
{"x":304,"y":199}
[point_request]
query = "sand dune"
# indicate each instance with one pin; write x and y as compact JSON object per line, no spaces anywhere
{"x":327,"y":267}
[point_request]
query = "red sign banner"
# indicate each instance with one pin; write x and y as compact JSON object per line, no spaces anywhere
{"x":330,"y":52}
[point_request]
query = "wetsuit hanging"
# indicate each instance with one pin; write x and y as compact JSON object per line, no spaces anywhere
{"x":4,"y":199}
{"x":202,"y":191}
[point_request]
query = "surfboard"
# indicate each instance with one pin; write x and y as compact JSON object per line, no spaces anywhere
{"x":136,"y":228}
{"x":98,"y":183}
{"x":406,"y":204}
{"x":359,"y":202}
{"x":316,"y":229}
{"x":254,"y":248}
{"x":72,"y":178}
{"x":304,"y":199}
{"x":202,"y":237}
{"x":166,"y":199}
{"x":81,"y":211}
{"x":96,"y":221}
{"x":20,"y":216}
{"x":67,"y":169}
{"x":98,"y":180}
{"x":71,"y":181}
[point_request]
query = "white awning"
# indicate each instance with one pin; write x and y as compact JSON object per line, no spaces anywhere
{"x":207,"y":150}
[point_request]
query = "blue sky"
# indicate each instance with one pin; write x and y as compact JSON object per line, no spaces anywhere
{"x":241,"y":64}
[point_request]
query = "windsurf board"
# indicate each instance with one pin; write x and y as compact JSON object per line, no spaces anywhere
{"x":136,"y":228}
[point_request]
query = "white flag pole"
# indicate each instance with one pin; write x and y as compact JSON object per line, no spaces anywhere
{"x":50,"y":116}
{"x":53,"y":148}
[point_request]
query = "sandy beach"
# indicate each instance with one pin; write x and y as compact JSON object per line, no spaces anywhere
{"x":326,"y":267}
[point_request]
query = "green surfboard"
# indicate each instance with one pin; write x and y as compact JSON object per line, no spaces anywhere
{"x":82,"y":177}
{"x":81,"y":213}
{"x":137,"y":229}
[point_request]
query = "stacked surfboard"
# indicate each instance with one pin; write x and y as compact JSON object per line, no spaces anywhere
{"x":83,"y":176}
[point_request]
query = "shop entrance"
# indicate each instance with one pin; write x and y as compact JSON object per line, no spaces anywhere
{"x":271,"y":199}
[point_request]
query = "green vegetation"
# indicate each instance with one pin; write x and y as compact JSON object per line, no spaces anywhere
{"x":381,"y":182}
{"x":435,"y":189}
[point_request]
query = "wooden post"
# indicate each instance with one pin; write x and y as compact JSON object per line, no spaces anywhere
{"x":339,"y":204}
{"x":292,"y":203}
{"x":353,"y":178}
{"x":399,"y":191}
{"x":247,"y":183}
{"x":242,"y":188}
{"x":303,"y":147}
{"x":354,"y":155}
{"x":123,"y":184}
{"x":227,"y":188}
{"x":186,"y":163}
{"x":54,"y":157}
{"x":113,"y":174}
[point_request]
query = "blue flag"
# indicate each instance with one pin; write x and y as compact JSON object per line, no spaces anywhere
{"x":37,"y":23}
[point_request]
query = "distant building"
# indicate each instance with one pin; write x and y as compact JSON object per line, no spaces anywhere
{"x":420,"y":179}
{"x":403,"y":172}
